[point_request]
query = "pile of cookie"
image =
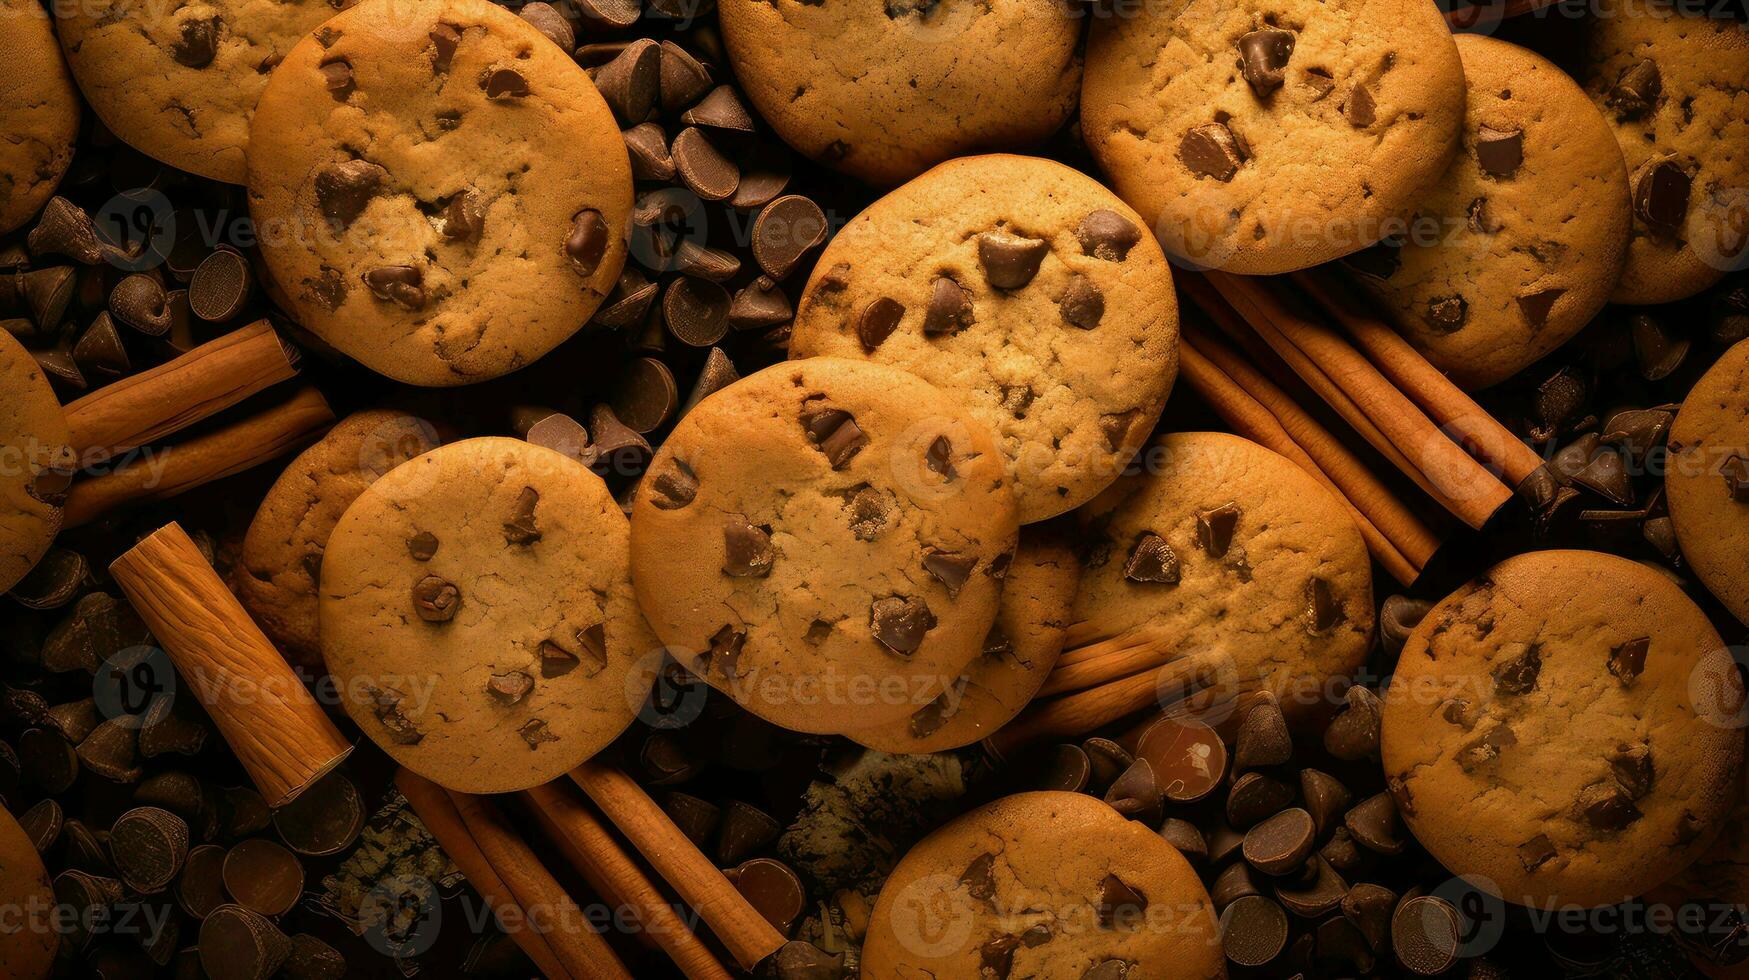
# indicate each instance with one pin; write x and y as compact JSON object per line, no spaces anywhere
{"x":723,"y":392}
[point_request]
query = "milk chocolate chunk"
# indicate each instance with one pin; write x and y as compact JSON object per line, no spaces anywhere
{"x":444,"y":38}
{"x":1107,"y":235}
{"x":1212,"y":150}
{"x":1661,"y":190}
{"x":835,"y":433}
{"x":1010,"y":261}
{"x":1083,"y":304}
{"x":747,"y":551}
{"x":401,"y":284}
{"x":534,"y":732}
{"x":949,"y":569}
{"x":198,"y":44}
{"x":1629,"y":659}
{"x":1636,"y":90}
{"x":337,"y":77}
{"x":1606,"y":806}
{"x":1536,"y":306}
{"x":674,"y":487}
{"x":436,"y":600}
{"x":1281,"y":843}
{"x":464,"y":217}
{"x":1120,"y":906}
{"x":1152,"y":560}
{"x":1447,"y":314}
{"x":939,"y":457}
{"x":1499,"y":152}
{"x":900,"y":622}
{"x":587,"y":243}
{"x":344,"y":189}
{"x":1214,"y":529}
{"x":950,"y":308}
{"x":979,"y":879}
{"x":877,"y":321}
{"x":724,"y":652}
{"x":1323,"y":609}
{"x":1253,"y":931}
{"x":510,"y":687}
{"x":1632,"y":766}
{"x":521,"y":527}
{"x":1518,"y":675}
{"x":1736,"y":473}
{"x":504,"y":83}
{"x":1263,"y":56}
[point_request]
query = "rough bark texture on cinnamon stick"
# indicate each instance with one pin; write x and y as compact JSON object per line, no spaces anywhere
{"x":271,"y":722}
{"x":149,"y":406}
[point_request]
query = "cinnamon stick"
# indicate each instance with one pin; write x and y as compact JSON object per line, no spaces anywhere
{"x":182,"y":467}
{"x":147,"y":407}
{"x":1425,"y":384}
{"x":1077,"y":714}
{"x":611,"y":872}
{"x":512,"y":880}
{"x":746,"y":934}
{"x":271,"y":722}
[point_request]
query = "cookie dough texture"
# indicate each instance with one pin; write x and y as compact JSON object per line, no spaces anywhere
{"x":280,"y":566}
{"x":1032,"y":621}
{"x":824,"y":541}
{"x":477,"y":614}
{"x":1056,"y":884}
{"x":29,"y":943}
{"x":41,"y":108}
{"x":1069,"y":365}
{"x":1365,"y":118}
{"x":1706,"y":483}
{"x":179,"y":81}
{"x":1676,"y":89}
{"x":455,"y":207}
{"x":1518,"y":246}
{"x":884,"y":92}
{"x":1264,"y":581}
{"x":34,"y":438}
{"x":1565,"y":726}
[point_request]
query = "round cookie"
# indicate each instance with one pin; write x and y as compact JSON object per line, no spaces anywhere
{"x":1048,"y":885}
{"x":1675,"y":88}
{"x":477,"y":615}
{"x":279,"y":568}
{"x":1263,"y":137}
{"x":825,"y":542}
{"x":1706,"y":479}
{"x":29,"y":942}
{"x":884,"y":92}
{"x":1249,"y":567}
{"x":443,"y":194}
{"x":1026,"y":289}
{"x":34,"y":439}
{"x":41,"y":108}
{"x":1517,"y":247}
{"x":178,"y":81}
{"x":1563,"y":727}
{"x":1038,"y":597}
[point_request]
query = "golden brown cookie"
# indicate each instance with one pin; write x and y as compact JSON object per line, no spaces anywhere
{"x":1567,"y":727}
{"x":41,"y":108}
{"x":33,"y":437}
{"x":29,"y":942}
{"x":1706,"y":479}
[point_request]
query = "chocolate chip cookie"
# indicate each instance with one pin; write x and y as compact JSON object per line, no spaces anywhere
{"x":179,"y":82}
{"x":443,"y":193}
{"x":1038,"y":597}
{"x":41,"y":108}
{"x":1565,"y":727}
{"x":477,"y":615}
{"x":1518,"y":246}
{"x":1026,"y":289}
{"x":281,"y":562}
{"x":1249,"y":570}
{"x":1272,"y":135}
{"x":1674,"y":87}
{"x":39,"y":462}
{"x":825,"y":541}
{"x":885,"y":92}
{"x":29,"y":943}
{"x":1043,"y":885}
{"x":1706,"y":479}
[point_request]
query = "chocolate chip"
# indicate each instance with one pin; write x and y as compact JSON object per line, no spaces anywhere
{"x":1486,"y":747}
{"x":386,"y":705}
{"x":1253,"y":931}
{"x":464,"y":217}
{"x":1214,"y":529}
{"x":1066,"y":770}
{"x":1263,"y":738}
{"x":1379,"y":261}
{"x":1135,"y":793}
{"x":631,"y":82}
{"x":1499,"y":152}
{"x":926,"y":721}
{"x":1398,"y":617}
{"x":544,"y":17}
{"x":1255,"y":797}
{"x":1629,"y":659}
{"x":696,"y":311}
{"x":148,"y":846}
{"x":1010,"y":261}
{"x":996,"y":957}
{"x":900,"y":622}
{"x":140,"y":302}
{"x":1632,"y":766}
{"x":337,"y":77}
{"x":1447,"y":314}
{"x":747,"y":550}
{"x":1263,"y":56}
{"x":344,"y":189}
{"x":1324,"y":797}
{"x":647,"y":145}
{"x":198,"y":44}
{"x":219,"y":287}
{"x":586,"y":245}
{"x":535,"y":732}
{"x":1212,"y":150}
{"x":444,"y":39}
{"x":1120,"y":905}
{"x":939,"y":457}
{"x":510,"y":687}
{"x":422,"y":546}
{"x":1736,"y":474}
{"x":1107,"y":235}
{"x":1605,"y":806}
{"x":835,"y":433}
{"x":979,"y":877}
{"x":1152,"y":560}
{"x":1518,"y":675}
{"x":1281,"y":843}
{"x":1536,"y":306}
{"x":720,"y":109}
{"x":436,"y":600}
{"x":1635,"y":91}
{"x":1373,"y":822}
{"x":1083,"y":304}
{"x":1118,"y":428}
{"x":1481,"y":218}
{"x":521,"y":527}
{"x":555,"y":660}
{"x":877,"y":321}
{"x":1183,"y":835}
{"x":949,"y":569}
{"x":786,"y":231}
{"x":702,"y":167}
{"x":1427,"y":934}
{"x":402,"y":284}
{"x":1368,"y":907}
{"x":950,"y":308}
{"x":723,"y":654}
{"x":501,"y":84}
{"x":42,"y":823}
{"x":761,"y":304}
{"x":1354,"y":733}
{"x":64,"y":229}
{"x":683,"y":80}
{"x":1323,"y":610}
{"x":1658,"y":350}
{"x":1661,"y":192}
{"x":1108,"y":760}
{"x":1340,"y":851}
{"x":1320,"y":81}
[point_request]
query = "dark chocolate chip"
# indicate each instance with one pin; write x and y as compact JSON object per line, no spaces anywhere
{"x":1010,"y":261}
{"x":1373,"y":822}
{"x":1323,"y":610}
{"x":544,"y":17}
{"x":1499,"y":152}
{"x":501,"y":84}
{"x":746,"y":831}
{"x":444,"y":39}
{"x":747,"y":550}
{"x":1661,"y":192}
{"x":720,"y":109}
{"x":436,"y":600}
{"x":702,"y":167}
{"x":1324,"y":798}
{"x":64,"y":229}
{"x":535,"y":733}
{"x":1536,"y":306}
{"x":1214,"y":529}
{"x":696,"y":311}
{"x":877,"y":321}
{"x":631,"y":82}
{"x":1447,"y":314}
{"x":1212,"y":150}
{"x":1605,"y":806}
{"x":1152,"y":560}
{"x":835,"y":433}
{"x":1183,"y":835}
{"x":521,"y":528}
{"x":760,"y":305}
{"x":587,"y":242}
{"x":900,"y":622}
{"x":1354,"y":733}
{"x":1083,"y":303}
{"x":683,"y":80}
{"x":1263,"y":738}
{"x":1135,"y":793}
{"x":1255,"y":797}
{"x":401,"y":284}
{"x":1107,"y":235}
{"x":422,"y":546}
{"x":1263,"y":56}
{"x":1427,"y":934}
{"x":1321,"y":82}
{"x":950,"y":308}
{"x":1636,"y":90}
{"x":647,"y":145}
{"x":1518,"y":676}
{"x":1658,"y":350}
{"x":198,"y":44}
{"x":1253,"y":931}
{"x":939,"y":457}
{"x":996,"y":957}
{"x":344,"y":189}
{"x":949,"y":569}
{"x":786,"y":231}
{"x":1629,"y":659}
{"x":1281,"y":843}
{"x":1120,"y":905}
{"x":979,"y":877}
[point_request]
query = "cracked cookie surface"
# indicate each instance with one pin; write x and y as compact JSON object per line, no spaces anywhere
{"x":1038,"y":597}
{"x":885,"y":91}
{"x":1271,"y":135}
{"x":1676,"y":89}
{"x":280,"y":565}
{"x":28,"y":947}
{"x":33,"y":435}
{"x":1706,"y":481}
{"x":1246,"y":567}
{"x":825,"y":541}
{"x":179,"y":81}
{"x":477,"y":615}
{"x":1564,"y":726}
{"x":1518,"y":246}
{"x":1025,"y":289}
{"x":1043,"y":885}
{"x":41,"y":108}
{"x":443,"y":194}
